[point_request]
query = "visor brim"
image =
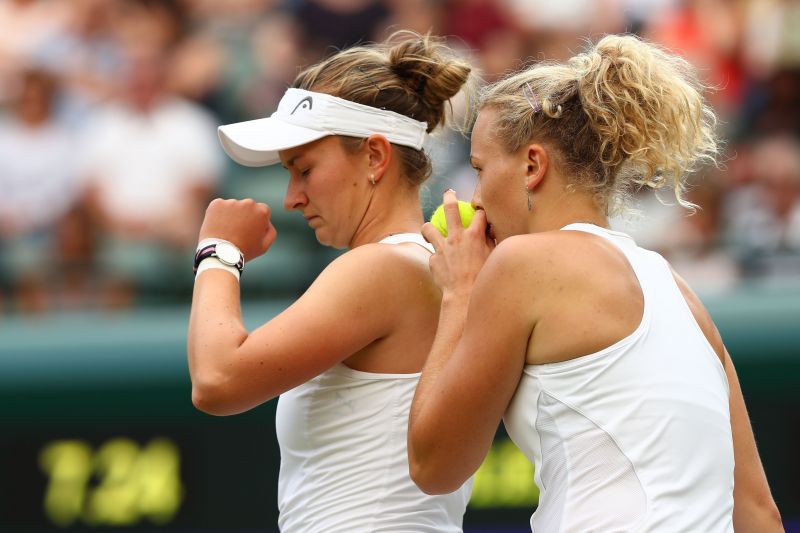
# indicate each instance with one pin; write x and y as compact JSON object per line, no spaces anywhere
{"x":256,"y":143}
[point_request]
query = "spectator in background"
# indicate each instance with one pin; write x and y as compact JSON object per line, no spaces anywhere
{"x":151,"y":162}
{"x":234,"y":58}
{"x":27,"y":26}
{"x":769,"y":36}
{"x":694,"y":244}
{"x":711,"y":48}
{"x":475,"y":20}
{"x":329,"y":25}
{"x":158,"y":23}
{"x":40,"y":189}
{"x":235,"y":55}
{"x":762,"y":211}
{"x":275,"y":50}
{"x":86,"y":56}
{"x":196,"y":70}
{"x":420,"y":16}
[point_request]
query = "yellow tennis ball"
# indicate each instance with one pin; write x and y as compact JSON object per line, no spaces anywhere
{"x":465,"y":210}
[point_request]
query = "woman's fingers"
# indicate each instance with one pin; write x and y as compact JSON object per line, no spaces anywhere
{"x":246,"y":223}
{"x":432,"y":235}
{"x":451,"y":213}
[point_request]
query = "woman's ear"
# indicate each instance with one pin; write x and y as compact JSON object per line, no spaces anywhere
{"x":537,"y":161}
{"x":379,"y":152}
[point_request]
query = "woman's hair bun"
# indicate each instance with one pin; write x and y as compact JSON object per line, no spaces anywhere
{"x":427,"y":68}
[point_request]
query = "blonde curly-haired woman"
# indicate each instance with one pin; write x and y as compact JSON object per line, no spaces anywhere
{"x":604,"y":365}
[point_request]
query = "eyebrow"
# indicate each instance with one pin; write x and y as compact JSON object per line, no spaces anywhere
{"x":291,"y":161}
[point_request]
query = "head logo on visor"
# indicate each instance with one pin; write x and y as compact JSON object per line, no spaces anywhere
{"x":257,"y":142}
{"x":305,"y":103}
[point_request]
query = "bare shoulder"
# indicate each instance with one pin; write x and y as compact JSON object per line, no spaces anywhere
{"x":559,"y":254}
{"x":375,"y":270}
{"x":538,"y":270}
{"x":365,"y":259}
{"x":532,"y":249}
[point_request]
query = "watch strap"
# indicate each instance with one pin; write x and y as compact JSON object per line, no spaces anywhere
{"x":207,"y":248}
{"x":211,"y":262}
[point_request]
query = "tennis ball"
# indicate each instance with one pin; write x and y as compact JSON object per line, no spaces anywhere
{"x":465,"y":210}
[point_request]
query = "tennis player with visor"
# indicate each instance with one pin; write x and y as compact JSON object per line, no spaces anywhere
{"x":345,"y":357}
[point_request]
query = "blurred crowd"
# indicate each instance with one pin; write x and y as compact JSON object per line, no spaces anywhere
{"x":108,"y":114}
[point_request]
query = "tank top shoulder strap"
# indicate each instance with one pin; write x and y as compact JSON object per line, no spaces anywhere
{"x":619,"y":238}
{"x":401,"y":238}
{"x":651,"y":269}
{"x":638,"y":258}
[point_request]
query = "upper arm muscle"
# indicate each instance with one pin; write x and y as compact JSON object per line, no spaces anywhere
{"x":343,"y":311}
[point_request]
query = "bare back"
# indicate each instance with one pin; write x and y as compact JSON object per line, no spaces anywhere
{"x":586,"y":305}
{"x":595,"y":302}
{"x":410,"y":301}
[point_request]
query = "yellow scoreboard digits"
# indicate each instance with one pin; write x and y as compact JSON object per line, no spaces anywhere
{"x":118,"y":484}
{"x":162,"y":491}
{"x":68,"y":463}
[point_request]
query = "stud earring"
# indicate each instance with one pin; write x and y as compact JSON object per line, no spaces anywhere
{"x":372,"y":179}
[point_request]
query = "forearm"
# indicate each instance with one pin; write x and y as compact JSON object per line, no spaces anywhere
{"x":754,"y":509}
{"x":754,"y":516}
{"x":428,"y":413}
{"x":452,"y":317}
{"x":216,"y":332}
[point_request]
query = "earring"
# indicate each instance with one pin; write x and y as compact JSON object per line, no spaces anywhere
{"x":372,"y":179}
{"x":530,"y":206}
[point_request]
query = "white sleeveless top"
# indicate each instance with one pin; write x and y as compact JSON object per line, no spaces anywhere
{"x":344,"y":460}
{"x":635,"y":437}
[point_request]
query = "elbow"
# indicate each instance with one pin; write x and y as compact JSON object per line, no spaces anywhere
{"x":759,"y":514}
{"x":211,"y":398}
{"x":771,"y":515}
{"x":430,"y":464}
{"x":423,"y":480}
{"x":431,"y":478}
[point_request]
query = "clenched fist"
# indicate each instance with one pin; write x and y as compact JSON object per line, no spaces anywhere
{"x":245,"y":223}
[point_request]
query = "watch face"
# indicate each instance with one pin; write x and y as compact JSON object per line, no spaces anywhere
{"x":228,"y":253}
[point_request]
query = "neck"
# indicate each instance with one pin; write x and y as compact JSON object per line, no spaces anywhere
{"x":550,"y":214}
{"x":389,"y":213}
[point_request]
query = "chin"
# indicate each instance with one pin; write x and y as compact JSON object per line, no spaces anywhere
{"x":324,"y":241}
{"x":327,"y":240}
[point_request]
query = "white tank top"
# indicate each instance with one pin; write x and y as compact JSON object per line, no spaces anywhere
{"x":635,"y":437}
{"x":344,"y":460}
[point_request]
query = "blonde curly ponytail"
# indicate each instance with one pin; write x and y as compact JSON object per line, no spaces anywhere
{"x":623,"y":114}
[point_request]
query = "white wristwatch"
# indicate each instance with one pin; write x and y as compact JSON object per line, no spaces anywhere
{"x":226,"y":252}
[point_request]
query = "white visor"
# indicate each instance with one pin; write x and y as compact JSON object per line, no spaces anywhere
{"x":305,"y":116}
